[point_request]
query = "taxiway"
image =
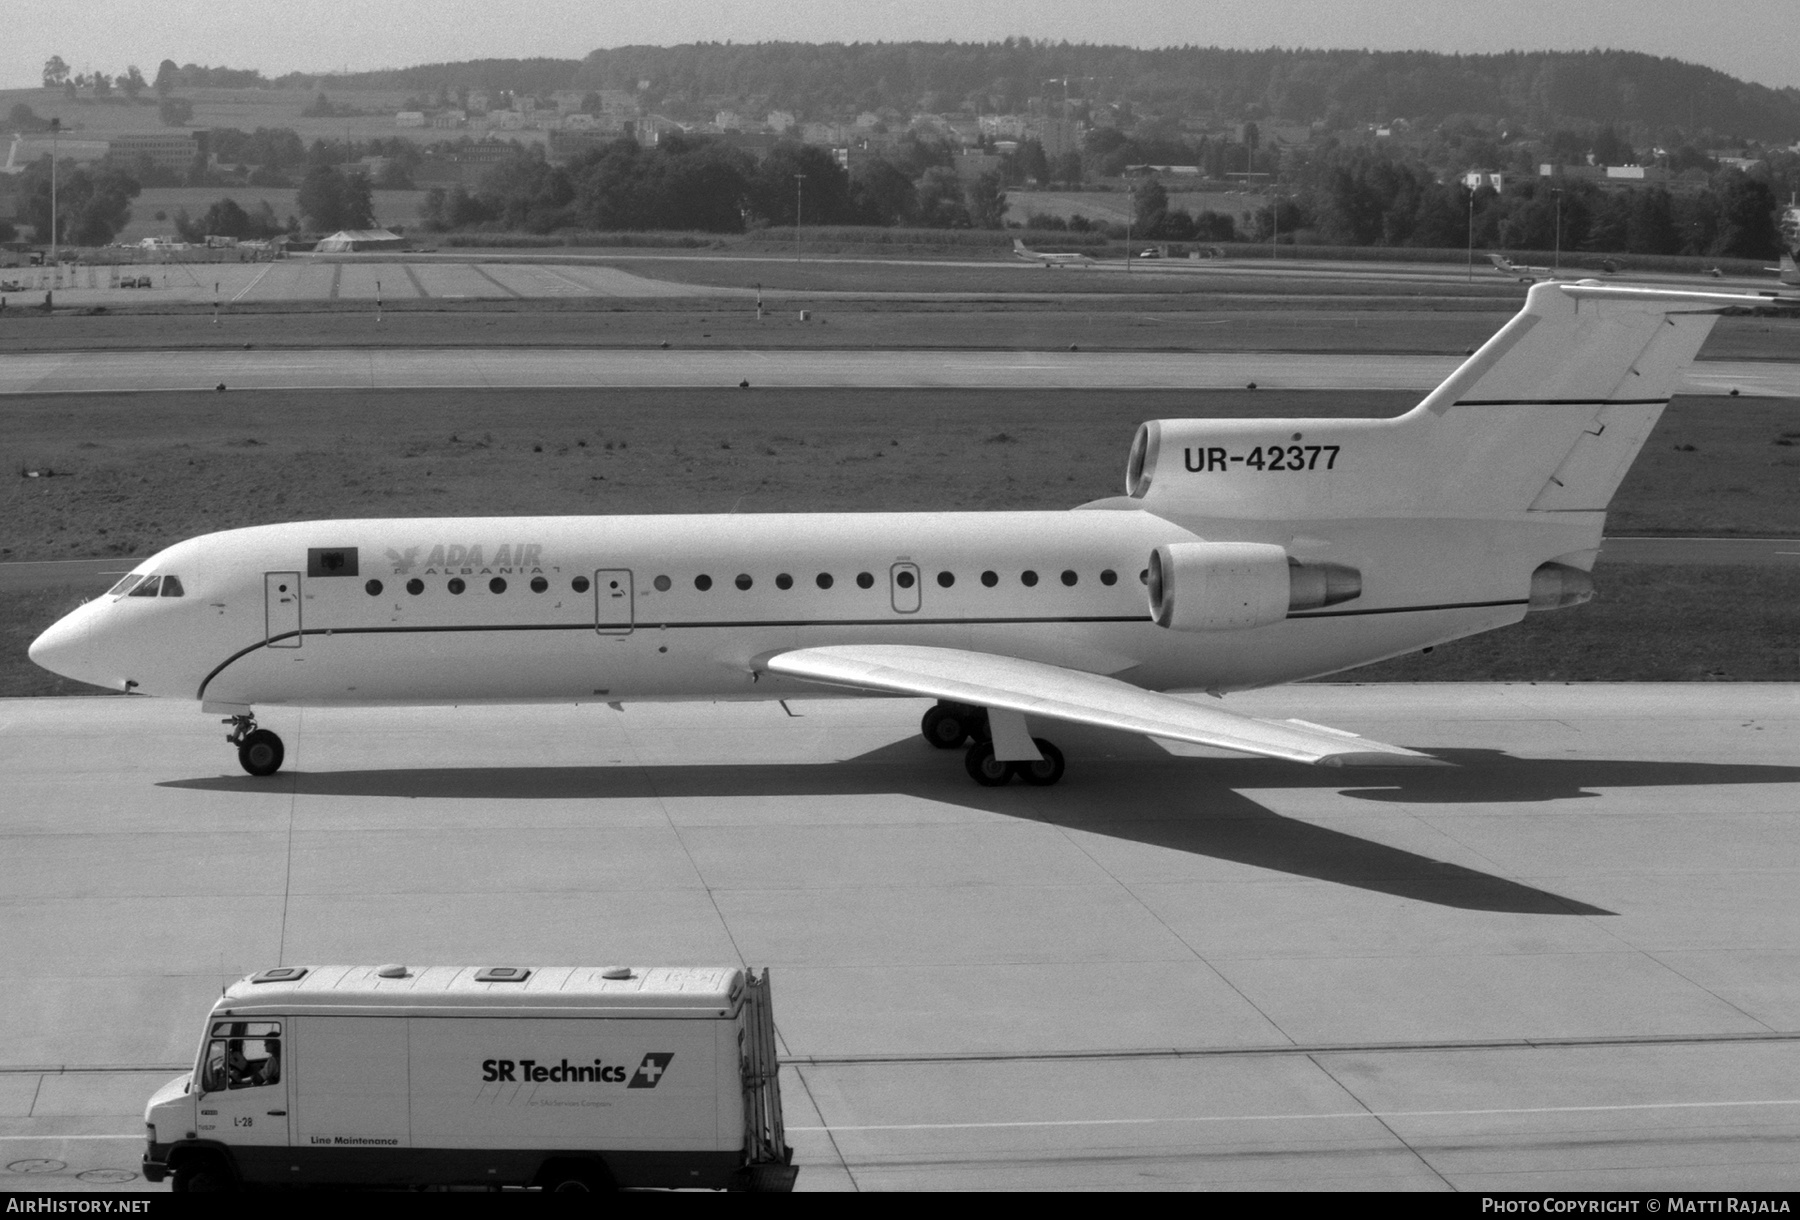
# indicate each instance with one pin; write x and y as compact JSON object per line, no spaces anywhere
{"x":495,"y":368}
{"x":1566,"y":963}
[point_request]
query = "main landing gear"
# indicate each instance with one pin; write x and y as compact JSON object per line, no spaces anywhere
{"x":948,"y":725}
{"x":259,"y":751}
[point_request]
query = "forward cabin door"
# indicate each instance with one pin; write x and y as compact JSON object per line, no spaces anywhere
{"x":281,"y":609}
{"x":612,"y":601}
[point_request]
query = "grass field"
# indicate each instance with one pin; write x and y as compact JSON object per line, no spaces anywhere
{"x":139,"y":471}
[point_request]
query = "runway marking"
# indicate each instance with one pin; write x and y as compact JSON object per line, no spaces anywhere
{"x":1288,"y":1118}
{"x":239,"y":295}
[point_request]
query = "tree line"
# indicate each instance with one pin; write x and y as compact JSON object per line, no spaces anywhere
{"x":706,"y":185}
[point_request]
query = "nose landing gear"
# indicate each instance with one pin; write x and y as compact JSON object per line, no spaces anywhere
{"x":259,"y":751}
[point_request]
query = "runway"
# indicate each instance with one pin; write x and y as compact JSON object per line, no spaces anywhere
{"x":511,"y":367}
{"x":1567,"y":963}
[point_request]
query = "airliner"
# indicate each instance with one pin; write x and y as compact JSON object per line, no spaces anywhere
{"x":1520,"y":272}
{"x":1242,"y":554}
{"x":1021,"y":250}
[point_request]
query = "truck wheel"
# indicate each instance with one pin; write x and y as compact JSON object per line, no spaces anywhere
{"x":577,"y":1179}
{"x":201,"y":1177}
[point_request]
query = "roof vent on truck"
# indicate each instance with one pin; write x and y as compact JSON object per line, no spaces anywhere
{"x":279,"y":974}
{"x":503,"y":974}
{"x":618,"y":972}
{"x":393,"y":970}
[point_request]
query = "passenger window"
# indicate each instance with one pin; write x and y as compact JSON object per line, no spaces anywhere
{"x":1109,"y":577}
{"x":579,"y":584}
{"x":946,"y":579}
{"x":744,"y":581}
{"x":496,"y":585}
{"x":784,"y":581}
{"x":823,"y":580}
{"x":864,"y":580}
{"x":703,"y":582}
{"x":172,"y":586}
{"x":415,"y":586}
{"x":539,"y":584}
{"x":990,"y":579}
{"x":903,"y":578}
{"x":662,"y":584}
{"x":373,"y":589}
{"x":1028,"y":578}
{"x":148,"y":587}
{"x":456,"y":584}
{"x":1069,"y":578}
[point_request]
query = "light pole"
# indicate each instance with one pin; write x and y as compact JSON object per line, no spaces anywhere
{"x":55,"y":126}
{"x":1471,"y":235}
{"x":1556,"y":256}
{"x":1130,"y":215}
{"x":799,"y":194}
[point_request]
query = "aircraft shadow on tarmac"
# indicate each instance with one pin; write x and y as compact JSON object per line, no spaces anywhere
{"x":1134,"y":793}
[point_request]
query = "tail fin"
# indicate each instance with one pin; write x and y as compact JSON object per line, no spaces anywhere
{"x":1546,"y":416}
{"x":1790,"y":274}
{"x":1019,"y":247}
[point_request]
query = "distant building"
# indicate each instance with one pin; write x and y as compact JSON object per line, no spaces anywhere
{"x":410,"y":118}
{"x":1475,"y":179}
{"x":175,"y":151}
{"x":1058,"y":136}
{"x":1011,"y":126}
{"x":479,"y":101}
{"x":448,"y":119}
{"x":780,"y":121}
{"x":581,"y":122}
{"x":728,"y":120}
{"x":567,"y":101}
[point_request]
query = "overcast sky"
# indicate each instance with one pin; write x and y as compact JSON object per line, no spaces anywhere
{"x":1752,"y":39}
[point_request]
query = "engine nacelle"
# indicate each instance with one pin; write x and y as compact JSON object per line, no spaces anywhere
{"x":1228,"y":586}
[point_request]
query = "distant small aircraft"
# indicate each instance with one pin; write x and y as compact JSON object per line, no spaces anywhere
{"x":1525,"y":275}
{"x":1021,"y":250}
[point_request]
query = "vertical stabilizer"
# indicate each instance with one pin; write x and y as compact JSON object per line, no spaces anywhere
{"x":1546,"y":416}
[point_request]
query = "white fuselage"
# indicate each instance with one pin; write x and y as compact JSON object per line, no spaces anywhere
{"x":621,"y":616}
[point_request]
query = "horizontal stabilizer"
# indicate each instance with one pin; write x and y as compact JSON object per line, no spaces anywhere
{"x":982,"y":679}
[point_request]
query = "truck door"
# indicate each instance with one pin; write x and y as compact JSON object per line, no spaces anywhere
{"x":903,"y":587}
{"x":243,"y":1100}
{"x":281,"y":609}
{"x":612,"y":601}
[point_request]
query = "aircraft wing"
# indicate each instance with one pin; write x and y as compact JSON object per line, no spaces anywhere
{"x":983,"y":679}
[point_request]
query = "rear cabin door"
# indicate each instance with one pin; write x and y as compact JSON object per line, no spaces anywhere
{"x":281,"y":608}
{"x":903,"y":587}
{"x":612,"y":601}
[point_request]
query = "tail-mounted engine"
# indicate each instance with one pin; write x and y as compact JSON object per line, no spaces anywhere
{"x":1227,"y":586}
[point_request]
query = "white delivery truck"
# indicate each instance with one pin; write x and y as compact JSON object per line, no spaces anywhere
{"x":559,"y":1077}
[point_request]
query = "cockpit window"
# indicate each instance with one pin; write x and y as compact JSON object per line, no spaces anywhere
{"x":172,"y":586}
{"x":147,"y":588}
{"x":125,"y":583}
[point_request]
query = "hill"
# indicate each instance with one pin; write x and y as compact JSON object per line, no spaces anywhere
{"x":1660,"y":98}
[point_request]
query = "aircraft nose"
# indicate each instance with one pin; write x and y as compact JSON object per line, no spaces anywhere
{"x":65,"y":647}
